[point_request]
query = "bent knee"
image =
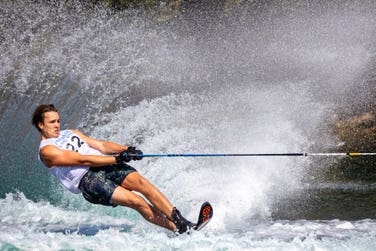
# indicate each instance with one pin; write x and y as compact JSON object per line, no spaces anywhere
{"x":143,"y":186}
{"x":143,"y":182}
{"x":137,"y":203}
{"x":137,"y":183}
{"x":127,"y":198}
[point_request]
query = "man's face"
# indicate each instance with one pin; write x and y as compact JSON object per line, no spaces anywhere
{"x":51,"y":125}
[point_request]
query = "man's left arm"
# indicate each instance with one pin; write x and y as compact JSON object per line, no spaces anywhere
{"x":104,"y":147}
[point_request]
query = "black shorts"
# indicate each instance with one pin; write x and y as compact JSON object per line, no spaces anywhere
{"x":98,"y":184}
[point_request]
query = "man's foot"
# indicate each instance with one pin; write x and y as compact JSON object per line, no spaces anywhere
{"x":182,"y":224}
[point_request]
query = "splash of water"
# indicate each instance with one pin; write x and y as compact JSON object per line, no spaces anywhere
{"x":228,"y":86}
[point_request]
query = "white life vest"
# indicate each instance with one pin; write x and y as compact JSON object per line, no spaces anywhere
{"x":69,"y":176}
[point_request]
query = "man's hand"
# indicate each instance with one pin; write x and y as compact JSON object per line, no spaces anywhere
{"x":128,"y":155}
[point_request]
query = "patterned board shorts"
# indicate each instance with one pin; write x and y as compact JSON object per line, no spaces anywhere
{"x":98,"y":184}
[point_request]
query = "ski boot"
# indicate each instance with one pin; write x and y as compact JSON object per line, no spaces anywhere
{"x":182,"y":224}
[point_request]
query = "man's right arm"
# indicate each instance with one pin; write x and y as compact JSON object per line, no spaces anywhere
{"x":54,"y":156}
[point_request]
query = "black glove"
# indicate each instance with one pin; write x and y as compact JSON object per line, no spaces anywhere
{"x":128,"y":155}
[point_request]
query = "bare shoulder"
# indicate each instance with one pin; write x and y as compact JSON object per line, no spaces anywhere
{"x":49,"y":152}
{"x":45,"y":150}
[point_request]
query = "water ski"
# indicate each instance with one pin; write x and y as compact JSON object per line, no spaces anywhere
{"x":206,"y":213}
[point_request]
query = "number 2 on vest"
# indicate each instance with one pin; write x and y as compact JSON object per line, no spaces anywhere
{"x":77,"y":144}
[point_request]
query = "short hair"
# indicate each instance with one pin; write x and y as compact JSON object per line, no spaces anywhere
{"x":38,"y":115}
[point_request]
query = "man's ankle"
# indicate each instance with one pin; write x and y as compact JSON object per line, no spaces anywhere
{"x":183,"y":225}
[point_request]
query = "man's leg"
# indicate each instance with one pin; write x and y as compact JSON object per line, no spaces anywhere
{"x":134,"y":181}
{"x":124,"y":197}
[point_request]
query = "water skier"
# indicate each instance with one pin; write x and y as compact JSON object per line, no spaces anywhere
{"x":98,"y":170}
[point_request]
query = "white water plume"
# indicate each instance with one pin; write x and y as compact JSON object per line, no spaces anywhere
{"x":220,"y":123}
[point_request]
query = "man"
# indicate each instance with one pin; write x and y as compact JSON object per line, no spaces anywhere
{"x":97,"y":169}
